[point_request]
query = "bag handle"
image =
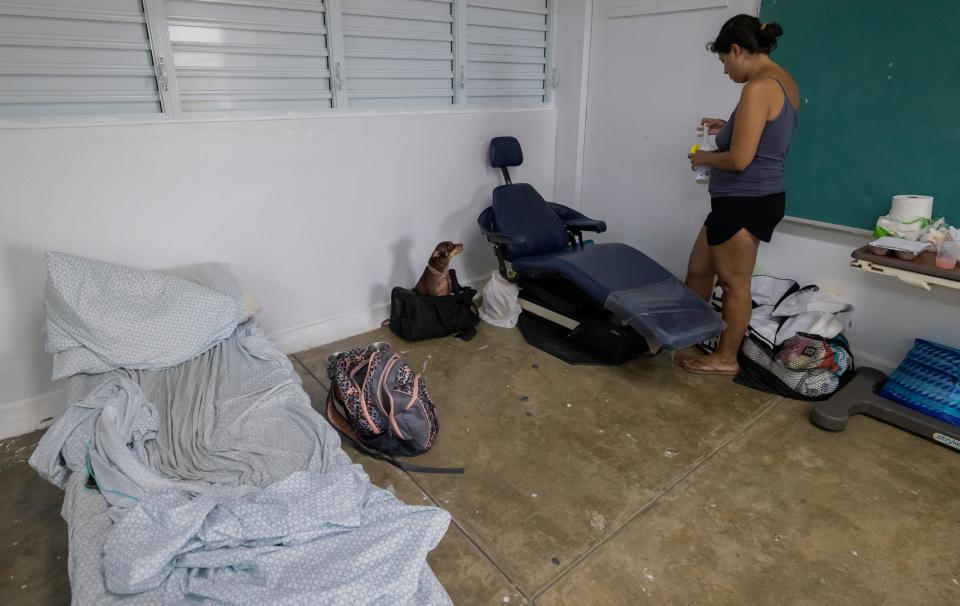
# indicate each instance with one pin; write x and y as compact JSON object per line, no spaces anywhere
{"x":457,"y":290}
{"x":341,"y":424}
{"x":455,"y":287}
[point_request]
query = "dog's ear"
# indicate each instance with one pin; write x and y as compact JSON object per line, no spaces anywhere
{"x":436,"y":254}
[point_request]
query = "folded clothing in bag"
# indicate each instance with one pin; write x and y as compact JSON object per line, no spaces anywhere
{"x":794,"y":345}
{"x":804,"y":367}
{"x":810,"y":354}
{"x":782,"y":309}
{"x":797,"y":310}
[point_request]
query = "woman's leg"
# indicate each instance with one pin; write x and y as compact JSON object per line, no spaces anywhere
{"x":734,"y":260}
{"x":700,"y":270}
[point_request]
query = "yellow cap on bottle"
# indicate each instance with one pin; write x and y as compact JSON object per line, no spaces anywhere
{"x":694,"y":148}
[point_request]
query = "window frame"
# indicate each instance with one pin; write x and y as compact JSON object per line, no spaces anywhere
{"x":168,"y":84}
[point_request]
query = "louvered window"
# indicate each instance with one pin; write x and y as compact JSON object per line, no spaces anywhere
{"x":184,"y":57}
{"x":75,"y":57}
{"x":398,"y":52}
{"x":507,"y":51}
{"x":250,"y":55}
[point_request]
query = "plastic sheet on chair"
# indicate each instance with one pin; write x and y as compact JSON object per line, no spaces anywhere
{"x":667,"y":314}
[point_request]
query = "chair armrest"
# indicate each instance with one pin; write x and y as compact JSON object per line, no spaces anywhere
{"x":485,"y":221}
{"x":577,"y":221}
{"x":500,"y":238}
{"x":586,"y":225}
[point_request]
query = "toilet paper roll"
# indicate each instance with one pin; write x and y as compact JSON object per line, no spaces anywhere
{"x":909,"y":207}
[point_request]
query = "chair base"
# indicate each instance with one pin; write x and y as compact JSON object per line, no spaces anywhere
{"x":561,"y":321}
{"x":859,"y":397}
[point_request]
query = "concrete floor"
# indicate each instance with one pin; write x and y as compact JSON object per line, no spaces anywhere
{"x":630,"y":485}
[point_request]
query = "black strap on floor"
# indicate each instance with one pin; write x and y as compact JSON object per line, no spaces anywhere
{"x":417,"y":468}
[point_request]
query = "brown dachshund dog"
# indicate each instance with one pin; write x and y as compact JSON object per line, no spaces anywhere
{"x":435,"y":280}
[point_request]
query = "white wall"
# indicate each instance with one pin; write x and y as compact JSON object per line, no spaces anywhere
{"x":650,"y":81}
{"x":572,"y":33}
{"x":319,"y":217}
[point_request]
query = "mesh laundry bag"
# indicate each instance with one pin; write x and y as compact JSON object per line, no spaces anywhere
{"x":928,"y":380}
{"x":804,"y":367}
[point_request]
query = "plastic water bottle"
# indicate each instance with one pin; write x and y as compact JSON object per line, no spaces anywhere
{"x":703,"y":172}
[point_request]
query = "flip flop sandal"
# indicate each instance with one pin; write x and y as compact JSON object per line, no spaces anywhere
{"x":695,"y":366}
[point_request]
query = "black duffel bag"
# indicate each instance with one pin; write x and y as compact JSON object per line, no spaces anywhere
{"x":416,"y":317}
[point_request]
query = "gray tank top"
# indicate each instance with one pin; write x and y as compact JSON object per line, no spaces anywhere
{"x":765,"y":174}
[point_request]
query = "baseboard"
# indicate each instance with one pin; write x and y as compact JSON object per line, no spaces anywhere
{"x":865,"y":359}
{"x":315,"y":334}
{"x":30,"y":414}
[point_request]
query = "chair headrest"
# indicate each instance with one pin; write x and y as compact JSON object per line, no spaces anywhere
{"x":505,"y":151}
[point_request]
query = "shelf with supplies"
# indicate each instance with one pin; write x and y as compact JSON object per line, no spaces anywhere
{"x":921,"y":272}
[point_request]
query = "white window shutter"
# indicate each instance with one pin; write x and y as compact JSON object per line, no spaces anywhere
{"x":507,"y":51}
{"x":398,"y":53}
{"x":258,"y":55}
{"x":71,"y":57}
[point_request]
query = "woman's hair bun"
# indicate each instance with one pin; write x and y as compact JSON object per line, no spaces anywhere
{"x":770,"y":32}
{"x":749,"y":33}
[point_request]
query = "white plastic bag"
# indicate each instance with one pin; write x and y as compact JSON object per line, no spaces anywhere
{"x":938,"y":231}
{"x":500,"y":306}
{"x":909,"y":230}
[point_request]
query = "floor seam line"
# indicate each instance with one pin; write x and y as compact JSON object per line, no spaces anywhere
{"x":766,"y":408}
{"x":473,"y":541}
{"x":310,"y":372}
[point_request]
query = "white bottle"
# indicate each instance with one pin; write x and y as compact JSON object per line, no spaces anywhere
{"x":703,"y":172}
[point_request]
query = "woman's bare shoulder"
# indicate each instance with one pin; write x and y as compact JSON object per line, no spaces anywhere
{"x":761,"y":88}
{"x":793,"y":89}
{"x":766,"y":86}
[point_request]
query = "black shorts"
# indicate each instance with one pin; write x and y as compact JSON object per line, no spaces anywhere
{"x":759,"y":215}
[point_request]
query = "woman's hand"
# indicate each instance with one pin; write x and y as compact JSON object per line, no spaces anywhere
{"x":713,"y":124}
{"x":696,"y":159}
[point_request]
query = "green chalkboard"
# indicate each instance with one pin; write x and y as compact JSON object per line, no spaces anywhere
{"x":880,"y":105}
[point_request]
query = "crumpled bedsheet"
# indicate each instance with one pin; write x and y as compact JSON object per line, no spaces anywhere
{"x":214,"y":480}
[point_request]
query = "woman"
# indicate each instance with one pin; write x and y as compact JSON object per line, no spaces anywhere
{"x":747,"y":182}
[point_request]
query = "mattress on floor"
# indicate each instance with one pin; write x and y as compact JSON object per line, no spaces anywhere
{"x":210,"y":479}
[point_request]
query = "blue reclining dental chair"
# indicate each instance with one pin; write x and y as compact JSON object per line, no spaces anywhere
{"x":585,"y":303}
